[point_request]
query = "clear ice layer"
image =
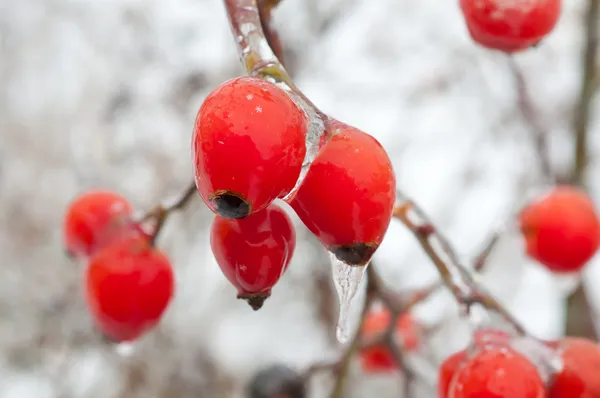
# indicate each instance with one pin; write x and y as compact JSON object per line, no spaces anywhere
{"x":346,"y":279}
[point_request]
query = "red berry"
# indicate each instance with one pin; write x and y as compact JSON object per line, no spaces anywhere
{"x":254,"y":252}
{"x":129,"y":286}
{"x":249,"y":144}
{"x":510,"y":25}
{"x":378,"y":358}
{"x":348,"y":194}
{"x":95,"y":219}
{"x":581,"y":367}
{"x":497,"y":372}
{"x":447,"y":371}
{"x":561,"y":230}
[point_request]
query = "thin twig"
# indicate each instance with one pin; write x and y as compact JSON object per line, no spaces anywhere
{"x":583,"y":109}
{"x":454,"y":275}
{"x":265,"y":9}
{"x":528,"y":113}
{"x":161,"y":212}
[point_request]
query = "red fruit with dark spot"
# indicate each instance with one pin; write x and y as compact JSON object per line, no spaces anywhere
{"x":497,"y":372}
{"x":348,"y":194}
{"x":510,"y":25}
{"x":561,"y":229}
{"x":581,"y":368}
{"x":254,"y":252}
{"x":447,"y":371}
{"x":249,"y":144}
{"x":94,"y":220}
{"x":377,"y":358}
{"x":129,"y":285}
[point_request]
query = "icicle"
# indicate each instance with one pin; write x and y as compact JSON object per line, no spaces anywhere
{"x":346,"y":279}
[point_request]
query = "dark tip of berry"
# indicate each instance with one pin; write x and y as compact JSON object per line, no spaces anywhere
{"x":230,"y":204}
{"x":355,"y":254}
{"x":277,"y":381}
{"x":255,"y":301}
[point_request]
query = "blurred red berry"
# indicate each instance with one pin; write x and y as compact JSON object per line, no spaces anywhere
{"x":249,"y":144}
{"x":254,"y":252}
{"x":561,"y":229}
{"x":510,"y":25}
{"x":447,"y":371}
{"x":497,"y":372}
{"x":95,"y":219}
{"x":378,"y":358}
{"x":348,"y":194}
{"x":129,"y":285}
{"x":579,"y":377}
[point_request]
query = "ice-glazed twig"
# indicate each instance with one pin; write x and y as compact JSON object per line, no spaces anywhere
{"x":455,"y":276}
{"x":265,"y":9}
{"x":256,"y":55}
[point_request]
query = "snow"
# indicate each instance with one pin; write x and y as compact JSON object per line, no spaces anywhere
{"x":104,"y":93}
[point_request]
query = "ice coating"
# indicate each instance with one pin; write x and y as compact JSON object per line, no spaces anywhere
{"x":346,"y":279}
{"x":259,"y":60}
{"x":314,"y":134}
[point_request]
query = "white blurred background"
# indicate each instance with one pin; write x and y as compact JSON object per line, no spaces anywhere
{"x":104,"y":94}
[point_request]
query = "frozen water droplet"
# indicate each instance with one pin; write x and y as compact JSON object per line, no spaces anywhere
{"x":346,"y":279}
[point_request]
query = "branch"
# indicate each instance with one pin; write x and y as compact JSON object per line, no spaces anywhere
{"x":265,"y":9}
{"x":583,"y":109}
{"x":455,"y":276}
{"x":528,"y":113}
{"x":160,"y":213}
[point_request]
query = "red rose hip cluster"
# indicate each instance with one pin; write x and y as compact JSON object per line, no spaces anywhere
{"x":128,"y":283}
{"x":249,"y":146}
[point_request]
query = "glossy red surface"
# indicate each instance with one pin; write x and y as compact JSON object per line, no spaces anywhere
{"x":510,"y":25}
{"x":561,"y":229}
{"x":581,"y":368}
{"x":254,"y":252}
{"x":249,"y":141}
{"x":128,"y":288}
{"x":94,"y":219}
{"x":497,"y":372}
{"x":348,"y":195}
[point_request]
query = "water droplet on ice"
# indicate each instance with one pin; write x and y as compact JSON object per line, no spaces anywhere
{"x":346,"y":279}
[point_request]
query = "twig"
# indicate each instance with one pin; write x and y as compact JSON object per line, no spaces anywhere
{"x":577,"y":303}
{"x":454,"y":275}
{"x":257,"y":57}
{"x":265,"y":9}
{"x":528,"y":113}
{"x":161,"y":212}
{"x":583,"y":109}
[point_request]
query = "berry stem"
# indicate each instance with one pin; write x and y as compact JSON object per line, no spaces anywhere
{"x":162,"y":211}
{"x":256,"y":55}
